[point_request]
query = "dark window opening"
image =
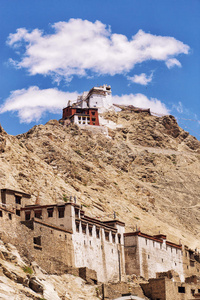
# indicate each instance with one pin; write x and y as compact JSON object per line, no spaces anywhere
{"x":27,"y":216}
{"x":90,"y":231}
{"x":98,"y":233}
{"x":93,"y":113}
{"x":76,"y":213}
{"x":38,"y":214}
{"x":146,"y":241}
{"x":148,"y":256}
{"x":50,"y":212}
{"x":61,"y":212}
{"x":37,"y":240}
{"x":181,"y":289}
{"x":10,"y":216}
{"x":93,"y":119}
{"x":113,"y":238}
{"x":18,"y":199}
{"x":119,"y":238}
{"x":1,"y":213}
{"x":18,"y":212}
{"x":191,"y":263}
{"x":83,"y":228}
{"x":192,"y":292}
{"x":198,"y":290}
{"x":107,"y":235}
{"x":77,"y":226}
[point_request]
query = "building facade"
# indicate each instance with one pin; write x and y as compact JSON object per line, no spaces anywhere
{"x":145,"y":255}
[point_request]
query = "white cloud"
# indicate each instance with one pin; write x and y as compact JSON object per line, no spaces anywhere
{"x":140,"y":100}
{"x":32,"y":103}
{"x":79,"y":46}
{"x":170,"y":63}
{"x":142,"y":79}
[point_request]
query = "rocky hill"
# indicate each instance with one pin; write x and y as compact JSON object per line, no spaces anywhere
{"x":147,"y":171}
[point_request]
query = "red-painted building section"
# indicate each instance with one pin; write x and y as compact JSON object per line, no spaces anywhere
{"x":84,"y":115}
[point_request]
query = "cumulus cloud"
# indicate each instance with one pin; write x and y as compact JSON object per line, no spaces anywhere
{"x":32,"y":103}
{"x":79,"y":46}
{"x":170,"y":63}
{"x":142,"y":79}
{"x":140,"y":100}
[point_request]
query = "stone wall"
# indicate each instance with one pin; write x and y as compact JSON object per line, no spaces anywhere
{"x":167,"y":289}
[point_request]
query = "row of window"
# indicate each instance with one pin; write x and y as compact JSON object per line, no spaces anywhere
{"x":97,"y":231}
{"x":50,"y":211}
{"x":146,"y":241}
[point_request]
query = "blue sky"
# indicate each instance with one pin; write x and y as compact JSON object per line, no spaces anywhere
{"x":51,"y":51}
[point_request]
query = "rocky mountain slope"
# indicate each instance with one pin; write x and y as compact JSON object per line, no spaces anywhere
{"x":19,"y":281}
{"x":147,"y":171}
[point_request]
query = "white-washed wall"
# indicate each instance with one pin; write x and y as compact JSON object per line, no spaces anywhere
{"x":97,"y":253}
{"x":158,"y":257}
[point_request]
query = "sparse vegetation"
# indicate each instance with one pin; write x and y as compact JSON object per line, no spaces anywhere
{"x":28,"y":270}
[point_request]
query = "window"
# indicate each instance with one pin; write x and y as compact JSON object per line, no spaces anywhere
{"x":98,"y":233}
{"x":153,"y":244}
{"x":93,"y":119}
{"x":113,"y":238}
{"x":93,"y":113}
{"x":191,"y":263}
{"x":119,"y":238}
{"x":18,"y":212}
{"x":77,"y":226}
{"x":10,"y":216}
{"x":160,"y":246}
{"x":61,"y":211}
{"x":148,"y":256}
{"x":84,"y":118}
{"x":1,"y":213}
{"x":79,"y":118}
{"x":38,"y":214}
{"x":50,"y":212}
{"x":18,"y":199}
{"x":84,"y":228}
{"x":181,"y":289}
{"x":192,"y":292}
{"x":198,"y":290}
{"x":37,"y":240}
{"x":76,"y":212}
{"x":146,"y":241}
{"x":107,"y":235}
{"x":27,"y":216}
{"x":90,"y":230}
